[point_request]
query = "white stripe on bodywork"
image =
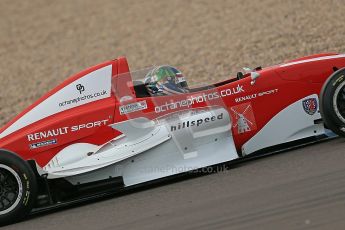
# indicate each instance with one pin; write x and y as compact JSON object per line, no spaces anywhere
{"x":313,"y":60}
{"x":94,"y":82}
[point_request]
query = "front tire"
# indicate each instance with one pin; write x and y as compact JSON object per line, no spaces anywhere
{"x":332,"y":102}
{"x":18,"y":188}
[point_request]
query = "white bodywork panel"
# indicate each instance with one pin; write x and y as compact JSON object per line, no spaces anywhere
{"x":278,"y":130}
{"x":179,"y":147}
{"x":82,"y":157}
{"x":93,"y":86}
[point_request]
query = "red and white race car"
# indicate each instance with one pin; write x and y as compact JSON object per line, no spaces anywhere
{"x":102,"y":130}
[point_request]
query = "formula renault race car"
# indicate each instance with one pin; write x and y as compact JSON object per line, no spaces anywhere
{"x":107,"y":129}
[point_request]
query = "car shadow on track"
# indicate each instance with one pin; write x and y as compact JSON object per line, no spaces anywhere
{"x":84,"y":201}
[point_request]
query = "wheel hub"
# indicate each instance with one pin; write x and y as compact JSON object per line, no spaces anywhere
{"x":8,"y":189}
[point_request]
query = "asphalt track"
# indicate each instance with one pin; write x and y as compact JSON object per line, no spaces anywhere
{"x":299,"y":189}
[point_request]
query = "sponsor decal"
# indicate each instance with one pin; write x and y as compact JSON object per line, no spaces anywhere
{"x":82,"y":98}
{"x":43,"y":144}
{"x":245,"y":98}
{"x":255,"y":95}
{"x":47,"y":134}
{"x":310,"y":105}
{"x":64,"y":130}
{"x":339,"y":79}
{"x":97,"y":86}
{"x":243,"y":119}
{"x":198,"y":122}
{"x":199,"y":98}
{"x":80,"y":88}
{"x":89,"y":125}
{"x":133,"y":107}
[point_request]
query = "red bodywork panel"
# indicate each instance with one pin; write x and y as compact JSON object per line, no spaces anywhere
{"x":275,"y":89}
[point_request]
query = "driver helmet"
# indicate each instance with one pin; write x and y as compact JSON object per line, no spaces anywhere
{"x":165,"y":80}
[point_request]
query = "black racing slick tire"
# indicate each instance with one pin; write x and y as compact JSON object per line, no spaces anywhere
{"x":332,"y":102}
{"x":18,"y":188}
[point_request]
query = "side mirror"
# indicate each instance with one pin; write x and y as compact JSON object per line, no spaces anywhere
{"x":254,"y":76}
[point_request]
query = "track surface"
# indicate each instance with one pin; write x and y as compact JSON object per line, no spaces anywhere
{"x":300,"y":189}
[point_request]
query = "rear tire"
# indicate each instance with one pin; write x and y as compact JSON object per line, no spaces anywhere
{"x":332,"y":102}
{"x":18,"y":188}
